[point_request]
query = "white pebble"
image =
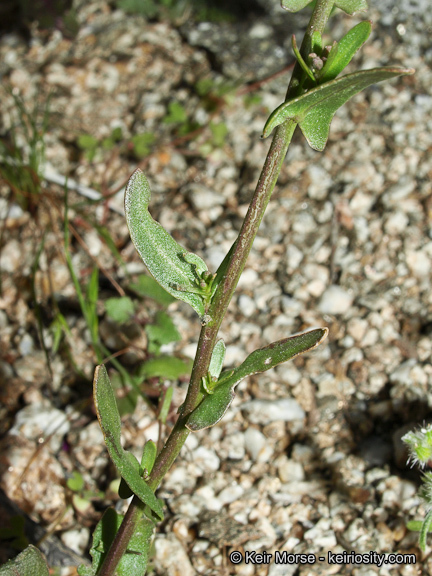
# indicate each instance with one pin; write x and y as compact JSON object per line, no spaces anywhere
{"x":266,"y":411}
{"x":254,"y":442}
{"x":335,"y":300}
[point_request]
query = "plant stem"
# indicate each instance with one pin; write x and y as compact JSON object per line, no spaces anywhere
{"x":207,"y":340}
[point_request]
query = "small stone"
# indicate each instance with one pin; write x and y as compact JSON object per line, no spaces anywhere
{"x":322,"y":535}
{"x":230,"y":494}
{"x":206,"y":458}
{"x":247,"y":305}
{"x":335,"y":300}
{"x":171,"y":558}
{"x":37,"y":421}
{"x":289,"y":471}
{"x":203,"y":198}
{"x":320,"y":182}
{"x":266,"y":411}
{"x":76,"y":540}
{"x":396,"y":223}
{"x":255,"y":441}
{"x":260,"y":31}
{"x":356,"y":328}
{"x":419,"y":263}
{"x":248,"y":279}
{"x":26,"y":345}
{"x":12,"y":256}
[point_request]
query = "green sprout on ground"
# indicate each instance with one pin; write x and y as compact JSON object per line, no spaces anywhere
{"x":419,"y":443}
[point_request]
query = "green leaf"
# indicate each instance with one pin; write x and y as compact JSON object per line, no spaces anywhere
{"x":415,"y":525}
{"x":177,"y":114}
{"x":142,"y":144}
{"x":30,"y":562}
{"x":163,"y":412}
{"x":223,"y":267}
{"x":214,"y":406}
{"x":352,"y":6}
{"x":219,"y":133}
{"x":217,"y":359}
{"x":93,"y":287}
{"x":147,"y":461}
{"x":314,"y":110}
{"x":87,"y":142}
{"x":168,"y":367}
{"x":343,"y":51}
{"x":116,"y":134}
{"x":110,"y":423}
{"x":294,"y":5}
{"x":126,"y":404}
{"x":80,"y":504}
{"x":134,"y":561}
{"x":91,"y":303}
{"x":425,"y":529}
{"x":348,"y":6}
{"x":147,"y":286}
{"x":176,"y":270}
{"x":120,"y":309}
{"x":76,"y":483}
{"x":163,"y":331}
{"x":149,"y":454}
{"x":300,"y":60}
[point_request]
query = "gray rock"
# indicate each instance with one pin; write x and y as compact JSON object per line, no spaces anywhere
{"x":335,"y":300}
{"x":266,"y":411}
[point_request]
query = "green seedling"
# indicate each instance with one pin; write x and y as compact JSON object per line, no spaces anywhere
{"x":120,"y":309}
{"x":81,"y":498}
{"x":21,"y":165}
{"x":148,"y":287}
{"x":419,"y":444}
{"x":163,"y":331}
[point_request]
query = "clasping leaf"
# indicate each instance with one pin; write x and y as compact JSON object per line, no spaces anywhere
{"x":110,"y":423}
{"x":134,"y":561}
{"x":214,"y":406}
{"x":314,"y":110}
{"x":183,"y":275}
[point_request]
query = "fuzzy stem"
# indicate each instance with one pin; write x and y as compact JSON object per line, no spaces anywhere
{"x":207,"y":340}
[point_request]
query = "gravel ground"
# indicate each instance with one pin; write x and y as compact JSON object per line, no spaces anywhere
{"x":308,"y":459}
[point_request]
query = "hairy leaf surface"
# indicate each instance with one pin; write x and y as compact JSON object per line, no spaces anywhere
{"x":348,"y":6}
{"x":214,"y":406}
{"x":30,"y":562}
{"x":175,"y":269}
{"x":110,"y":423}
{"x":134,"y":562}
{"x":314,"y":110}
